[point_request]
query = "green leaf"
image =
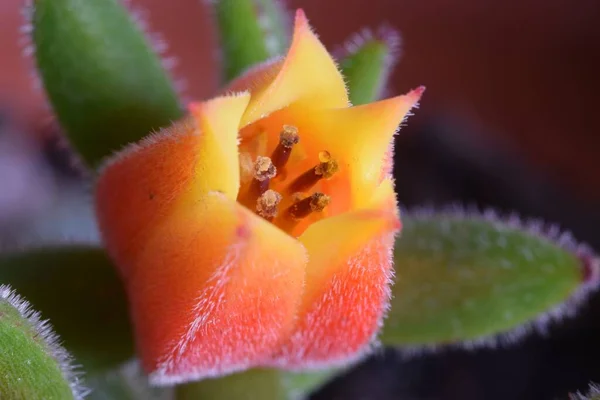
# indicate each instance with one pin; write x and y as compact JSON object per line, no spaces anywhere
{"x":251,"y":31}
{"x":32,"y":364}
{"x":367,"y":62}
{"x":255,"y":384}
{"x":461,"y":278}
{"x":79,"y":290}
{"x":276,"y":25}
{"x":105,"y":83}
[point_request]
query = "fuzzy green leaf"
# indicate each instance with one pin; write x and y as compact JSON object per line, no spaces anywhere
{"x":367,"y":63}
{"x":463,"y":278}
{"x":32,"y":364}
{"x":105,"y":83}
{"x":251,"y":31}
{"x":79,"y":291}
{"x":255,"y":384}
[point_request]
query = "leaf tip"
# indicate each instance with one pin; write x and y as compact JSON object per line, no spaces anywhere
{"x":580,"y":266}
{"x":367,"y":60}
{"x":589,"y":263}
{"x":385,"y":35}
{"x":590,"y":267}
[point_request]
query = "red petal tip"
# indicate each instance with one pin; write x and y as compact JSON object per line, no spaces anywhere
{"x":418,"y":92}
{"x":301,"y":17}
{"x":194,"y":106}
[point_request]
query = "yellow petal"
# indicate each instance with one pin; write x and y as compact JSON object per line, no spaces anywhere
{"x":145,"y":182}
{"x":339,"y":236}
{"x":213,"y":291}
{"x":217,"y":167}
{"x":347,"y":285}
{"x":359,"y":138}
{"x":308,"y":76}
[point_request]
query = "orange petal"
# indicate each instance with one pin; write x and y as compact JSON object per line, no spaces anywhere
{"x":347,"y":285}
{"x":256,"y":78}
{"x":360,"y":138}
{"x":142,"y":184}
{"x":307,"y":76}
{"x":215,"y":291}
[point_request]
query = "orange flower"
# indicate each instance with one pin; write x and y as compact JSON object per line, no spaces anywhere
{"x":258,"y":231}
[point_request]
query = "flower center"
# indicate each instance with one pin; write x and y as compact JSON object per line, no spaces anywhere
{"x":294,"y":198}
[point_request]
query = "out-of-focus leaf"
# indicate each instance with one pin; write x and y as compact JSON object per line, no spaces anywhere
{"x":251,"y":31}
{"x":125,"y":383}
{"x":32,"y":364}
{"x":255,"y":384}
{"x":79,"y":291}
{"x":105,"y":83}
{"x":276,"y":23}
{"x":462,"y":278}
{"x":592,"y":394}
{"x":69,"y":214}
{"x":366,"y":63}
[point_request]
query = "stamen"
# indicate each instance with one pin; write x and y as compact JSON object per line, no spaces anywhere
{"x":287,"y":139}
{"x":326,"y":169}
{"x":313,"y":203}
{"x":296,"y":197}
{"x":264,"y":171}
{"x":264,"y":168}
{"x":267,"y":204}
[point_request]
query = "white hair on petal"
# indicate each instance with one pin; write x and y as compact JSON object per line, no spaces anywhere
{"x":338,"y":287}
{"x":207,"y":304}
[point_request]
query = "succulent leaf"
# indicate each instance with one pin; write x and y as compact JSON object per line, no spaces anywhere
{"x":106,"y":84}
{"x":471,"y":279}
{"x":33,"y":366}
{"x":251,"y":31}
{"x":366,"y":60}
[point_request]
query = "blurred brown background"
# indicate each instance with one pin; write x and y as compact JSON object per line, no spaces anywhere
{"x":524,"y":71}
